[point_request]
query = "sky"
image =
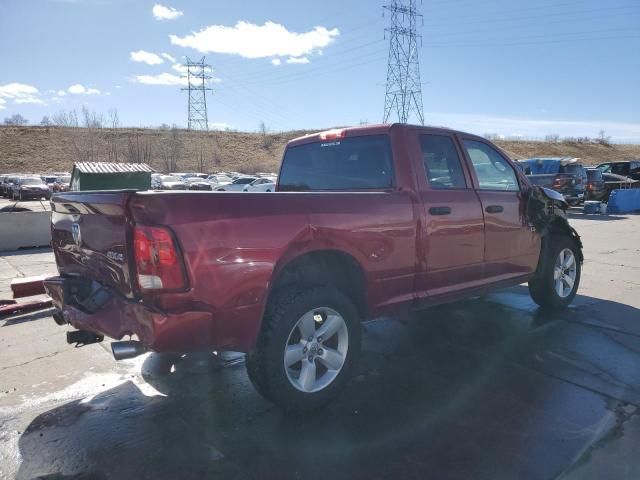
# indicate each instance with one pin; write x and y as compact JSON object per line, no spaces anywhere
{"x":517,"y":68}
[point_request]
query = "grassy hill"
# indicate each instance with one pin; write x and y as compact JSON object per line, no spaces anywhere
{"x":42,"y":149}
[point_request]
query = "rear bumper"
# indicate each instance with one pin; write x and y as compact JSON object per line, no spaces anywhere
{"x":119,"y":317}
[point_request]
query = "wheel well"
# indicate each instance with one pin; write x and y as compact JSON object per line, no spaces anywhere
{"x":558,"y":226}
{"x":325,"y":267}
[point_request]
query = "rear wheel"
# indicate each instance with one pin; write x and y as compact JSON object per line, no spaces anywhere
{"x":557,"y":283}
{"x":307,"y":348}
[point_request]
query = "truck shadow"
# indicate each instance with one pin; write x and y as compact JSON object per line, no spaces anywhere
{"x":485,"y":388}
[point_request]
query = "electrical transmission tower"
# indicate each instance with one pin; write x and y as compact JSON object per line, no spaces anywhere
{"x":197,"y":77}
{"x":404,"y":90}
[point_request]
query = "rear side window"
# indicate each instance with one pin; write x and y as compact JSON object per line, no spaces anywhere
{"x":492,"y":170}
{"x":441,"y":162}
{"x":357,"y":163}
{"x":620,"y":168}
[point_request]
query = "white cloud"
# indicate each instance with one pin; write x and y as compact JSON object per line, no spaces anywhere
{"x":2,"y":103}
{"x":276,"y":61}
{"x":79,"y":89}
{"x":61,"y":93}
{"x":171,"y":58}
{"x":161,"y":79}
{"x":179,"y":68}
{"x":118,"y":87}
{"x":257,"y":41}
{"x":160,"y":12}
{"x":20,"y":93}
{"x":146,"y":57}
{"x":300,"y":60}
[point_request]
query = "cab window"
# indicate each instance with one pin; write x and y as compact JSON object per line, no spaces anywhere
{"x":441,"y":162}
{"x":492,"y":170}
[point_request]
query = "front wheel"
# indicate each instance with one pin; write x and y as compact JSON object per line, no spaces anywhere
{"x":557,"y":282}
{"x":307,"y":348}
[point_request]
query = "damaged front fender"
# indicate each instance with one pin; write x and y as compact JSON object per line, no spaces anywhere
{"x":547,"y":214}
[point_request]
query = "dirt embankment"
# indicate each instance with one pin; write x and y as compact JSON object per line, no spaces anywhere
{"x":42,"y":149}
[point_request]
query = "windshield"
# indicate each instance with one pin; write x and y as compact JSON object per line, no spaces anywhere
{"x":170,"y":178}
{"x":64,"y":179}
{"x":541,"y":167}
{"x":243,"y":181}
{"x":358,"y":163}
{"x":30,"y":181}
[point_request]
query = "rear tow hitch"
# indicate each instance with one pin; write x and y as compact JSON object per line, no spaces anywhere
{"x":127,"y":349}
{"x":83,"y":337}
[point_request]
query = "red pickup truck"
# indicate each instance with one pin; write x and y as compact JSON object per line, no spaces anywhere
{"x":369,"y":221}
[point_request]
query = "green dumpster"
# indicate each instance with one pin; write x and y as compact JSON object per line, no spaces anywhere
{"x":110,"y":176}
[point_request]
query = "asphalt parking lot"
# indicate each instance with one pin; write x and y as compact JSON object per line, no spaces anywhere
{"x":33,"y":205}
{"x":489,"y":388}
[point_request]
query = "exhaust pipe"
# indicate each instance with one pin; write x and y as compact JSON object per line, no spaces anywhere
{"x":127,"y":349}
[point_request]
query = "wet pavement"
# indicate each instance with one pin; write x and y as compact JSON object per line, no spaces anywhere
{"x":487,"y":388}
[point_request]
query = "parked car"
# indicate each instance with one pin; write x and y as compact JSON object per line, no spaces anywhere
{"x":263,"y":184}
{"x":6,"y":184}
{"x":32,"y":187}
{"x":629,"y":168}
{"x":564,"y":175}
{"x":235,"y":186}
{"x":62,"y":184}
{"x":595,"y":185}
{"x":371,"y":221}
{"x":218,"y":179}
{"x":197,"y":183}
{"x":49,"y":180}
{"x":168,"y":182}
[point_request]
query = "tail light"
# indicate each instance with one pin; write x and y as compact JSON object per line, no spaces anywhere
{"x":158,"y":264}
{"x":557,"y":182}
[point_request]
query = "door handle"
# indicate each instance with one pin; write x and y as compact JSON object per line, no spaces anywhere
{"x":494,"y":209}
{"x":440,"y":210}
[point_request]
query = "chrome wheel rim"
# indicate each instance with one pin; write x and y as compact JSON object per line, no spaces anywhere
{"x":316,"y":349}
{"x":564,"y":273}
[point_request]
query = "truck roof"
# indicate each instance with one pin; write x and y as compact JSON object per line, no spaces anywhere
{"x":363,"y":130}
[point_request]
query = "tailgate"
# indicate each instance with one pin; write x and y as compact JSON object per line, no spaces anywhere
{"x":89,"y":232}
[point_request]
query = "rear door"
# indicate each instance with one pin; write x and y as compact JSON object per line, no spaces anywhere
{"x":511,"y":248}
{"x":451,"y":246}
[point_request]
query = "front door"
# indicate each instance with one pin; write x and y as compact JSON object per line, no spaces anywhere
{"x":511,"y":248}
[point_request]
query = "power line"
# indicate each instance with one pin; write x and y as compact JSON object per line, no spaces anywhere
{"x":404,"y":90}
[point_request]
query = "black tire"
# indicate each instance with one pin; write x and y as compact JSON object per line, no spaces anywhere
{"x":542,"y":287}
{"x":265,"y":364}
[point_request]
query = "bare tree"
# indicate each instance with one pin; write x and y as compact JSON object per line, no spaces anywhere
{"x":15,"y":119}
{"x":171,"y":150}
{"x":552,"y":138}
{"x":267,"y":139}
{"x":603,"y":139}
{"x":138,"y":149}
{"x":113,"y":122}
{"x":45,"y":122}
